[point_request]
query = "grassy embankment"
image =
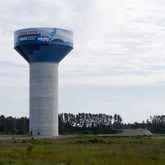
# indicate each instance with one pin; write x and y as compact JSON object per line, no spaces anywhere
{"x":84,"y":150}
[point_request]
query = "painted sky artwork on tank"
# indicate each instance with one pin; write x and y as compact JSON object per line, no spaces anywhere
{"x":43,"y":35}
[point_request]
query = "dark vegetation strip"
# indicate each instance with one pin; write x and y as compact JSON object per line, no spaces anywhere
{"x":84,"y":123}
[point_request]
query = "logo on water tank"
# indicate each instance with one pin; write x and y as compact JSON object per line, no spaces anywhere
{"x":43,"y":36}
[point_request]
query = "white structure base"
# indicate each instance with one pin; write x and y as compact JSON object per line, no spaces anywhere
{"x":43,"y":99}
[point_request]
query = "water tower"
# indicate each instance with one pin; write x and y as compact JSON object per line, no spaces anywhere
{"x":43,"y":49}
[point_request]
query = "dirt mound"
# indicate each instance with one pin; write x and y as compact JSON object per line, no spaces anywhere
{"x":138,"y":131}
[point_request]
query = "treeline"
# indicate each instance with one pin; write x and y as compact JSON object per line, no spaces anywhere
{"x":84,"y":123}
{"x":106,"y":124}
{"x":12,"y":125}
{"x":89,"y":123}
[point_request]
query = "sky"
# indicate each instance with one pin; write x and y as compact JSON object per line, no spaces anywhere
{"x":118,"y":61}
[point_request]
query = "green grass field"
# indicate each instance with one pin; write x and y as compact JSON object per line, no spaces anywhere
{"x":84,"y":150}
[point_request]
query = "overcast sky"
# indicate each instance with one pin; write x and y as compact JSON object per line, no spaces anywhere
{"x":118,"y":61}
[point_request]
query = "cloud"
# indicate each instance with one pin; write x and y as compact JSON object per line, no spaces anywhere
{"x":128,"y":36}
{"x":108,"y":36}
{"x":14,"y":101}
{"x":133,"y":103}
{"x":116,"y":43}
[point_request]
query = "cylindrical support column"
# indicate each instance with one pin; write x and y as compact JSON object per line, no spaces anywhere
{"x":44,"y":99}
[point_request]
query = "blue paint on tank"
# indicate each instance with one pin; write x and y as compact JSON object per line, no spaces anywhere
{"x":43,"y":44}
